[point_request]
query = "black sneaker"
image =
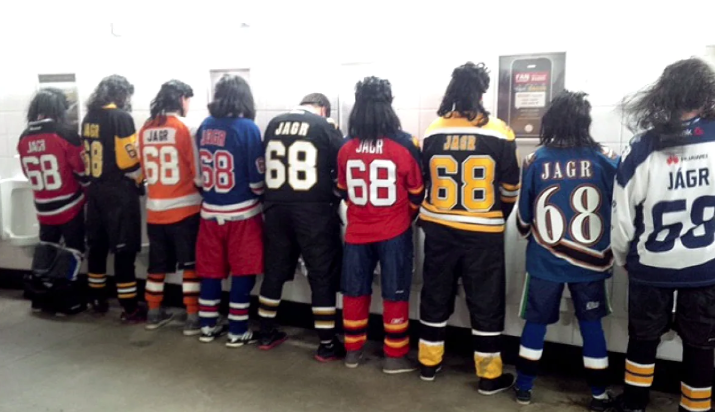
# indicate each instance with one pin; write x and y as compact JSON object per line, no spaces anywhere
{"x":36,"y":306}
{"x":496,"y":385}
{"x":620,"y":406}
{"x":208,"y":333}
{"x":428,"y":373}
{"x":330,"y":352}
{"x":99,"y":305}
{"x":137,"y":316}
{"x":602,"y":405}
{"x":270,"y":340}
{"x":523,"y":396}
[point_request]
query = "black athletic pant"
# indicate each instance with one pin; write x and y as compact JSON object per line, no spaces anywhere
{"x":313,"y":231}
{"x":114,"y":224}
{"x":649,"y":317}
{"x":70,"y":233}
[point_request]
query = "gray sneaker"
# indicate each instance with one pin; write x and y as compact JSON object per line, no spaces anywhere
{"x":157,"y":318}
{"x":192,"y":326}
{"x":393,"y":366}
{"x":353,"y":359}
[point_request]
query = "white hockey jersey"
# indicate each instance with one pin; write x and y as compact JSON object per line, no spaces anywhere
{"x":663,"y":217}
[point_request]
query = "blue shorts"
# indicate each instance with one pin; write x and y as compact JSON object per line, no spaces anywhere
{"x":396,"y":260}
{"x":541,"y":300}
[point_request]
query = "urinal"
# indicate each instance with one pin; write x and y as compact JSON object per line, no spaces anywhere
{"x":19,"y":221}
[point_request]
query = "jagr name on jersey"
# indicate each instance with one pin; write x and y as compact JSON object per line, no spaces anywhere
{"x":36,"y":146}
{"x":292,"y":128}
{"x":371,"y":147}
{"x":572,"y":169}
{"x":456,"y":142}
{"x":161,"y":135}
{"x":690,"y":178}
{"x":90,"y":131}
{"x":213,"y":137}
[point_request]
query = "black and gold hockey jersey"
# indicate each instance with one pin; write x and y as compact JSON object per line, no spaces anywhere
{"x":301,"y":155}
{"x":109,"y":139}
{"x":472,"y":174}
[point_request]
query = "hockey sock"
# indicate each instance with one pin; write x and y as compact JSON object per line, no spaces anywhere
{"x":487,"y":354}
{"x":431,"y":345}
{"x":97,"y":285}
{"x":126,"y":280}
{"x":324,"y":318}
{"x":356,"y":311}
{"x":191,"y":285}
{"x":267,"y":312}
{"x":640,"y":369}
{"x":240,"y":300}
{"x":154,"y":292}
{"x":595,"y":356}
{"x":530,"y":351}
{"x":696,"y":387}
{"x":396,"y":320}
{"x":209,"y":300}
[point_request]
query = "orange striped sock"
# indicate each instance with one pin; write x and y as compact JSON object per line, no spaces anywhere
{"x":154,"y":293}
{"x":191,"y":285}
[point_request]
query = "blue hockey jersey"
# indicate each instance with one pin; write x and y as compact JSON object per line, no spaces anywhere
{"x":664,"y":208}
{"x":232,"y":168}
{"x":565,"y":211}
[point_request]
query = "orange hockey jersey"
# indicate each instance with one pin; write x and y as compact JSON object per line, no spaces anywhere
{"x":169,"y":160}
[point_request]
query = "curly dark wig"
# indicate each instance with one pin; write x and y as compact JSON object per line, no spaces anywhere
{"x":567,"y":122}
{"x":169,"y":99}
{"x":464,"y":93}
{"x":49,"y":103}
{"x":685,"y":86}
{"x":372,"y":115}
{"x":317,"y":99}
{"x":112,"y":89}
{"x":232,"y":98}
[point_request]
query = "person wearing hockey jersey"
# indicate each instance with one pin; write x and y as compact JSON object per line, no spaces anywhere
{"x":169,"y":159}
{"x":472,"y":181}
{"x":564,"y":210}
{"x":230,"y":238}
{"x":380,"y":177}
{"x":51,"y":155}
{"x":664,"y":231}
{"x":116,"y":183}
{"x":301,"y":218}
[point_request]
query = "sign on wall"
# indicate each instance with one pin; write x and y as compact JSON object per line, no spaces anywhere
{"x":527,"y":84}
{"x":68,"y":84}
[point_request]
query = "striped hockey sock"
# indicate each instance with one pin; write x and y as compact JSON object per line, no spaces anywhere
{"x":154,"y":293}
{"x":640,"y":369}
{"x":396,"y":322}
{"x":324,"y":319}
{"x":487,"y":354}
{"x":431,"y":346}
{"x":530,"y":351}
{"x":191,"y":285}
{"x":696,"y":387}
{"x":595,"y":356}
{"x":239,"y":303}
{"x":209,"y":301}
{"x":356,"y":311}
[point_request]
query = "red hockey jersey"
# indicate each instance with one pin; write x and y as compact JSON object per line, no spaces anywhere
{"x":52,"y":158}
{"x":382,"y":183}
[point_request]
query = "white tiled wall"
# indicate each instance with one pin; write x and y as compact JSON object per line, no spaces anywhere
{"x":613,"y":51}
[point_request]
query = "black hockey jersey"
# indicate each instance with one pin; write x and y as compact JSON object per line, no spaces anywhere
{"x":109,"y":139}
{"x":472,"y":175}
{"x":301,"y":155}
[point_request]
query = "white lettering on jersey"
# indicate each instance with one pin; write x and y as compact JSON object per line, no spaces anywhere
{"x":574,"y":170}
{"x":292,"y":128}
{"x":371,"y":147}
{"x":35,"y":146}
